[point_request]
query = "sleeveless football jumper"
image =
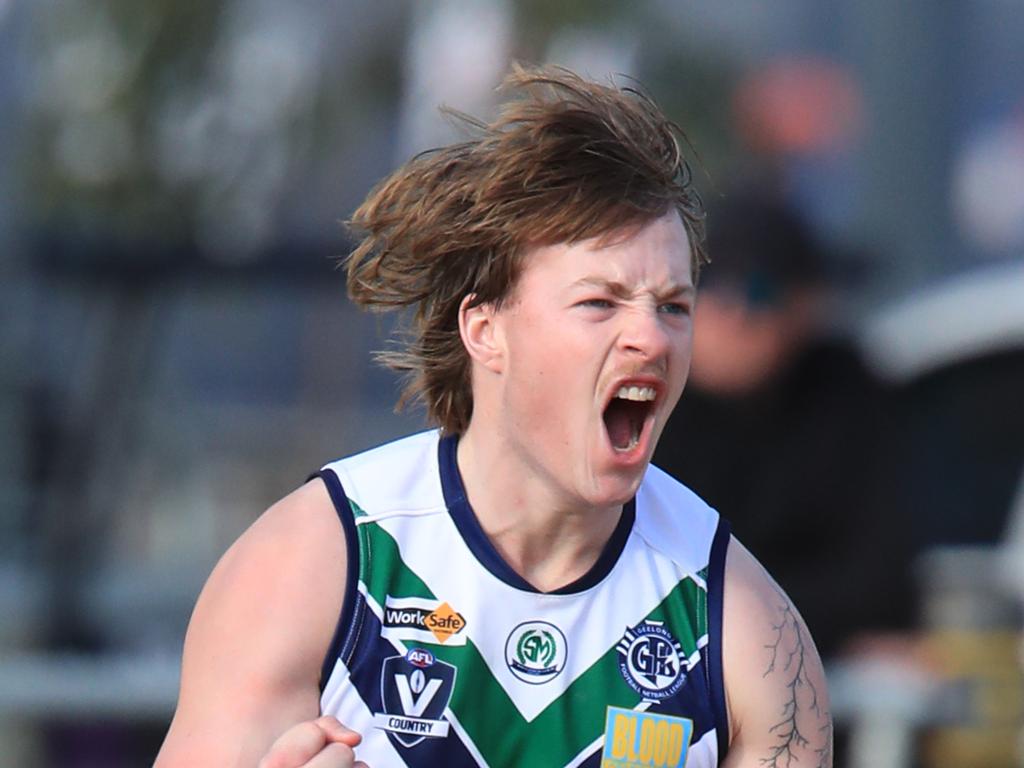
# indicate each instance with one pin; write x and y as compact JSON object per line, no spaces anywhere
{"x":445,"y":656}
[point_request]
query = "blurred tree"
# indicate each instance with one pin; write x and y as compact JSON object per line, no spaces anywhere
{"x":170,"y":125}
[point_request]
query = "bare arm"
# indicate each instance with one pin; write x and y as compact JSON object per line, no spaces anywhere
{"x":775,"y":685}
{"x":257,"y":640}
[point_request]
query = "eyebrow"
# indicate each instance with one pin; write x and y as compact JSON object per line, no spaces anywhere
{"x":674,"y":291}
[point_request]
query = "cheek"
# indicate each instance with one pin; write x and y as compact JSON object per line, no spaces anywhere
{"x":683,"y":349}
{"x":548,"y":348}
{"x":548,"y":377}
{"x":542,"y":379}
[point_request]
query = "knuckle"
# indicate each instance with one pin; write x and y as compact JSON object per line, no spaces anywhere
{"x":307,"y":731}
{"x":276,"y":758}
{"x":271,"y":760}
{"x":300,"y":739}
{"x":339,"y":754}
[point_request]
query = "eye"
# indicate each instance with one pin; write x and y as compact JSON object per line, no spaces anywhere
{"x":596,"y":303}
{"x":674,"y":308}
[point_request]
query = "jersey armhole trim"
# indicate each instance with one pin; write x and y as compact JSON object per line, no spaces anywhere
{"x":346,"y":619}
{"x":716,"y":594}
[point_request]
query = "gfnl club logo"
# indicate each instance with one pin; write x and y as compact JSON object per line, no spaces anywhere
{"x":415,"y":689}
{"x":651,"y":660}
{"x":535,"y":652}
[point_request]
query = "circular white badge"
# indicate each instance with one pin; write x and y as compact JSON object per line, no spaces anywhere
{"x":535,"y":651}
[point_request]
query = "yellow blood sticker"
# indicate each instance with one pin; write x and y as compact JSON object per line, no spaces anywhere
{"x":635,"y":739}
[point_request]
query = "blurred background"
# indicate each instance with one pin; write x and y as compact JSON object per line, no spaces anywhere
{"x":178,"y":351}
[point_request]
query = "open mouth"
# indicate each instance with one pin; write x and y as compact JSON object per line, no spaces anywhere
{"x":625,"y":415}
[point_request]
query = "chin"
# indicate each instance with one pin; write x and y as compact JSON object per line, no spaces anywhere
{"x":617,"y":489}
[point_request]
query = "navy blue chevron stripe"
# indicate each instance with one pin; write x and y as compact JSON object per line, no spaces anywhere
{"x":691,"y":701}
{"x":594,"y":761}
{"x":368,"y":657}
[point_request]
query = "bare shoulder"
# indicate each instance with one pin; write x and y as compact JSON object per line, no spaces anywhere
{"x":285,"y":577}
{"x":775,"y":685}
{"x":259,"y":633}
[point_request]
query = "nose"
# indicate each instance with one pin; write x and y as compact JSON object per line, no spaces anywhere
{"x":644,"y":335}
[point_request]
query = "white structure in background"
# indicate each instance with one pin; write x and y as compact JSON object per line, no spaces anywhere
{"x":461,"y":49}
{"x":596,"y":53}
{"x":458,"y":52}
{"x":988,"y":192}
{"x":964,"y":317}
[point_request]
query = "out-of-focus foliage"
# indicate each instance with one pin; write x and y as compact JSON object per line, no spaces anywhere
{"x":198,"y":122}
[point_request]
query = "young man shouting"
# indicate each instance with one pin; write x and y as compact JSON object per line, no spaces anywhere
{"x":518,"y":587}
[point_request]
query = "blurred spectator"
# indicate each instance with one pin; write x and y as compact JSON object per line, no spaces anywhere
{"x":959,"y":456}
{"x":956,"y":350}
{"x":781,"y":427}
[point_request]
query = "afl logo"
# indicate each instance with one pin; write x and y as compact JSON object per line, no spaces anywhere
{"x":535,"y":652}
{"x":651,"y":660}
{"x":420,"y":657}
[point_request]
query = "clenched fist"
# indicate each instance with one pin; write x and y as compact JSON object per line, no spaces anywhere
{"x":320,"y":743}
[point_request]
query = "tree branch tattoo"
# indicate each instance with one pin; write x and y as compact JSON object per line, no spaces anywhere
{"x":788,"y":653}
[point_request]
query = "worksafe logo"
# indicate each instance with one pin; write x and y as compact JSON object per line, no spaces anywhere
{"x":415,"y":689}
{"x":651,"y":660}
{"x":535,"y":652}
{"x":423,"y":620}
{"x":644,"y":740}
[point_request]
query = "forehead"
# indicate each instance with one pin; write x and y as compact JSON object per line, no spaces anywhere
{"x":656,"y":253}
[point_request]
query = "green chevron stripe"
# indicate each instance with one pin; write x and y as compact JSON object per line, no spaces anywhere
{"x":381,"y":569}
{"x":483,"y":709}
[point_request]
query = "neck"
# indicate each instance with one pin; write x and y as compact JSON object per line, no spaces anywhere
{"x":546,"y":538}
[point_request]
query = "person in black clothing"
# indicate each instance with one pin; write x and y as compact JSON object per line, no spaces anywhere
{"x":783,"y":429}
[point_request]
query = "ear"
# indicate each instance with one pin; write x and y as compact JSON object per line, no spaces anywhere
{"x":478,"y":329}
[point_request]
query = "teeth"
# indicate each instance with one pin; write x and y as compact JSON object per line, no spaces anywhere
{"x":633,"y":441}
{"x":640,"y":394}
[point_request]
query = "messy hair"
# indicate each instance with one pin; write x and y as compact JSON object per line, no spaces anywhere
{"x":565,"y":160}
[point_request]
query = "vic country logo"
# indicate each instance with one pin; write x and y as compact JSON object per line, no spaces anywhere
{"x":651,"y":660}
{"x":423,"y":620}
{"x":641,"y":739}
{"x":415,"y":689}
{"x":535,"y":652}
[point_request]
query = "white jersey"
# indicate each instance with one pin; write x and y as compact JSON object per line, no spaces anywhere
{"x":445,"y":656}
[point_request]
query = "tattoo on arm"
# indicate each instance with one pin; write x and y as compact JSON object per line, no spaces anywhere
{"x":788,"y":654}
